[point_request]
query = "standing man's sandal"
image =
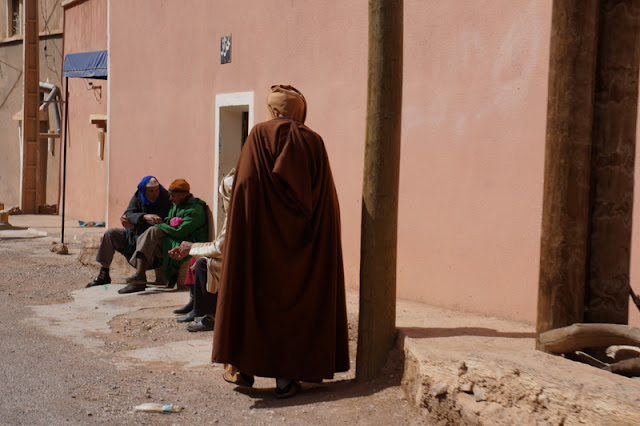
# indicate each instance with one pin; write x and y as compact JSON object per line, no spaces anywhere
{"x":288,"y":391}
{"x":238,"y":379}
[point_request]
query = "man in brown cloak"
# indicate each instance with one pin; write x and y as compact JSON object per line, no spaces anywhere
{"x":281,"y":307}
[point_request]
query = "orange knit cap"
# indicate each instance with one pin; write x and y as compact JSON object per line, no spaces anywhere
{"x":179,"y":185}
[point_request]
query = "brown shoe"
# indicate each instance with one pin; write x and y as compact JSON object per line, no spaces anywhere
{"x":132,"y":288}
{"x":238,"y":378}
{"x":136,"y":279}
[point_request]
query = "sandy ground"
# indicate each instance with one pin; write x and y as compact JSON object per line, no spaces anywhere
{"x":88,"y":356}
{"x":72,"y":355}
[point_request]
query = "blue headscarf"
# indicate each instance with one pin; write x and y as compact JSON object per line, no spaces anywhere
{"x":141,"y":188}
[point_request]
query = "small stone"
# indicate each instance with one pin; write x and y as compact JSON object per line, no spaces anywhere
{"x":479,"y":393}
{"x":439,"y":389}
{"x":59,"y":248}
{"x":466,"y":387}
{"x":542,"y":399}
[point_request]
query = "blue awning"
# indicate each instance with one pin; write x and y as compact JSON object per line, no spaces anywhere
{"x":86,"y":65}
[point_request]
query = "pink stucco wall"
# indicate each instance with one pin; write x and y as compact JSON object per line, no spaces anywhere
{"x":474,"y":119}
{"x":473,"y":123}
{"x":167,"y":106}
{"x":85,"y":30}
{"x":161,"y":97}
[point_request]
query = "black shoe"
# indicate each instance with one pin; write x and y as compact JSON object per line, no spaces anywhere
{"x":102,"y":278}
{"x":132,"y":288}
{"x":185,"y":309}
{"x":191,"y":315}
{"x":205,"y":324}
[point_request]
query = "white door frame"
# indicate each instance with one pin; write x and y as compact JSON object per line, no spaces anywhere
{"x":226,"y":100}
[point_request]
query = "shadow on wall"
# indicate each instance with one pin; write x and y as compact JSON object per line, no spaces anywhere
{"x":423,"y":333}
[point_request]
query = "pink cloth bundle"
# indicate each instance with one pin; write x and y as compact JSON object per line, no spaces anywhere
{"x":176,"y":221}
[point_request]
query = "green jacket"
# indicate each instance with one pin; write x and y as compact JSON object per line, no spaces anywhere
{"x":194,"y":228}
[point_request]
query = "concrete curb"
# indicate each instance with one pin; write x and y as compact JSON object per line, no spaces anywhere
{"x":521,"y":387}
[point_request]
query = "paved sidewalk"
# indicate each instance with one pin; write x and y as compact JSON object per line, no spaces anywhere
{"x":461,"y":368}
{"x":30,"y":225}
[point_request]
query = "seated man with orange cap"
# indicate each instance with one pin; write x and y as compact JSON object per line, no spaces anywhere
{"x":186,"y":221}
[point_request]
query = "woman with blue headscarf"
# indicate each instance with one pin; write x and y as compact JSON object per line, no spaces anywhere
{"x":148,"y":206}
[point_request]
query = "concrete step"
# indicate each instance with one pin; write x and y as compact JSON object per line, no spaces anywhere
{"x":462,"y":368}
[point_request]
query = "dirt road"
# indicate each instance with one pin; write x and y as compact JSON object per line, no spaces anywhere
{"x":70,"y":355}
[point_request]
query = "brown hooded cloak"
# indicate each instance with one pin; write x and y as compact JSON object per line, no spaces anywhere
{"x":281,"y":305}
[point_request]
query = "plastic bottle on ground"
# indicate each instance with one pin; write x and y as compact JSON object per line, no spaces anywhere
{"x":156,"y":407}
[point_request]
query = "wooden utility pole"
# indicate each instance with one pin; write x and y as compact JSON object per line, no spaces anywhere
{"x":376,"y":330}
{"x":612,"y":162}
{"x":31,"y":165}
{"x":589,"y":165}
{"x":565,"y":206}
